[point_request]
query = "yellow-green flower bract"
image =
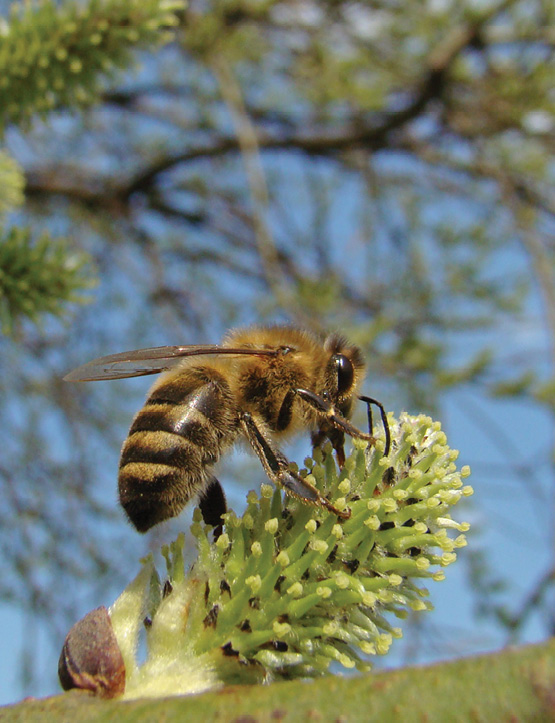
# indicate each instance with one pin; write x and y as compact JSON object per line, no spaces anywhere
{"x":288,"y":588}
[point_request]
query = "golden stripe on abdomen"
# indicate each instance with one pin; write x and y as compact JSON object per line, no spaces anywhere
{"x":160,"y":447}
{"x":150,"y":473}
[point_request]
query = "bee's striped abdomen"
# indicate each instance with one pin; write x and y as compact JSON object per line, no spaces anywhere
{"x":186,"y":423}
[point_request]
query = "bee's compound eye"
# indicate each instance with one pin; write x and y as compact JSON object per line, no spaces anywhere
{"x":345,"y":373}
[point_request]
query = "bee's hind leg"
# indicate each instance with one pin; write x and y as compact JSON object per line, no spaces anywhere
{"x":276,"y":466}
{"x":212,"y":505}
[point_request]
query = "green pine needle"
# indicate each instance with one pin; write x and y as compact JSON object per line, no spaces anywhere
{"x":37,"y":277}
{"x":55,"y":54}
{"x":11,"y":183}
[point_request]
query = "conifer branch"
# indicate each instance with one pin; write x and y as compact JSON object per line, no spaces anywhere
{"x":37,"y":277}
{"x":11,"y":183}
{"x":56,"y":55}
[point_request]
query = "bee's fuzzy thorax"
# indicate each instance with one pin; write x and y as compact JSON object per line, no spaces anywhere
{"x":272,"y":336}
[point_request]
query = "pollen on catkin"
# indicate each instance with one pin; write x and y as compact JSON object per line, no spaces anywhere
{"x":288,"y":588}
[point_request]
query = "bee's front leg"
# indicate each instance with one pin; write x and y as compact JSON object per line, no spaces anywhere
{"x":337,"y":439}
{"x":276,"y":466}
{"x":332,"y":415}
{"x":326,"y":431}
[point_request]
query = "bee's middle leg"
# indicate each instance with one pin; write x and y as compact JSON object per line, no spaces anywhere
{"x":276,"y":466}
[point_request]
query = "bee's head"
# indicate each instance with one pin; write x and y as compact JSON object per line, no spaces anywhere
{"x":344,"y":370}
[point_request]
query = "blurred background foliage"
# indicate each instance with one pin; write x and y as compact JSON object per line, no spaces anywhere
{"x":379,"y":167}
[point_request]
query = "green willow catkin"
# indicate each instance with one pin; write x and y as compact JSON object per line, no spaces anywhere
{"x":288,"y":588}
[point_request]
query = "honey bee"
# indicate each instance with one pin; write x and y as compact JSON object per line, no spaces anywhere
{"x":262,"y":384}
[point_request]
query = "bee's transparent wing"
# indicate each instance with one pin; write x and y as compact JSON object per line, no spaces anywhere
{"x":150,"y":361}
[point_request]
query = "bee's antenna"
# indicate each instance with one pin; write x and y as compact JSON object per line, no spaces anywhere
{"x":369,"y":401}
